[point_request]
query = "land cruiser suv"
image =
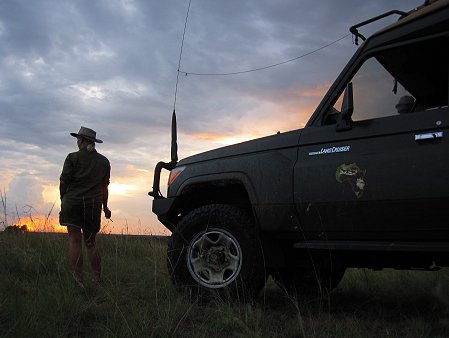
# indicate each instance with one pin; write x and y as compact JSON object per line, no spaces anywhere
{"x":364,"y":184}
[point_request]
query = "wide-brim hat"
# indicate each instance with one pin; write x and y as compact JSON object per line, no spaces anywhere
{"x":87,"y":133}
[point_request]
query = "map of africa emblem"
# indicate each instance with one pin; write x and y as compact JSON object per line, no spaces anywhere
{"x":354,"y":176}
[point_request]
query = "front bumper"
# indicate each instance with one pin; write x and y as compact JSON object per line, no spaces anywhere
{"x":162,"y":207}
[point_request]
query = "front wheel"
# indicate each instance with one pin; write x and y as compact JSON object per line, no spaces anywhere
{"x":215,"y":250}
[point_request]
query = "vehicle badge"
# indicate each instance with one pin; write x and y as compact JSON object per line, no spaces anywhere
{"x":354,"y":176}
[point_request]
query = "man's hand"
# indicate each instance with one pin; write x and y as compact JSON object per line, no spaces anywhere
{"x":107,"y":213}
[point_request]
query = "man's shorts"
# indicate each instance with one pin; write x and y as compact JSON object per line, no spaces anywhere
{"x":82,"y":216}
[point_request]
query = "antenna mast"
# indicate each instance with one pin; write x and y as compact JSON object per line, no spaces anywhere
{"x":174,"y":134}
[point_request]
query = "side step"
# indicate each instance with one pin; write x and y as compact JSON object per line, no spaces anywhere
{"x":374,"y":246}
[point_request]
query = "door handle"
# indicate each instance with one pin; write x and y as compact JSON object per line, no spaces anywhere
{"x":429,"y":136}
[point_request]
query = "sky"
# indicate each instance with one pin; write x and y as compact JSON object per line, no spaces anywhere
{"x":112,"y":65}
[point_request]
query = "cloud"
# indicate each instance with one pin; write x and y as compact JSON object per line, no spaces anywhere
{"x":25,"y":192}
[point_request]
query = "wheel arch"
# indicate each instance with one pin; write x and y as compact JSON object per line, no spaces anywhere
{"x":225,"y":188}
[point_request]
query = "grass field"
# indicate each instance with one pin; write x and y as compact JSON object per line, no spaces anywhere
{"x":38,"y":298}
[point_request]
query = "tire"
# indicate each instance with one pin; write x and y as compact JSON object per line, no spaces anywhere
{"x":215,"y":251}
{"x":306,"y":281}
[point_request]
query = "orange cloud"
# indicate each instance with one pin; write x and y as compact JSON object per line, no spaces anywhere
{"x":317,"y":91}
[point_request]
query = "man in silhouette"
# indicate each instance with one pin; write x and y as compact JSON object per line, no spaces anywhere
{"x":84,"y":192}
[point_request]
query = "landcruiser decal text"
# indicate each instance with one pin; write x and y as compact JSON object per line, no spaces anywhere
{"x":330,"y":150}
{"x":352,"y":175}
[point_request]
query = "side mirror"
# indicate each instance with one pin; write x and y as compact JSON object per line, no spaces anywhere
{"x":347,"y":108}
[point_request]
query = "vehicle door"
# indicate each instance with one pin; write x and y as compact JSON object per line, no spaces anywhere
{"x":383,"y":172}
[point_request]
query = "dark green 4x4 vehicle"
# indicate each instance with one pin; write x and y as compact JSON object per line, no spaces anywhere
{"x":364,"y":184}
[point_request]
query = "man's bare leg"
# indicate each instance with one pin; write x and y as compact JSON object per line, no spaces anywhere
{"x":75,"y":252}
{"x":94,"y":256}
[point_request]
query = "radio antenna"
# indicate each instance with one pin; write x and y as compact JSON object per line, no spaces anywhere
{"x":174,"y":133}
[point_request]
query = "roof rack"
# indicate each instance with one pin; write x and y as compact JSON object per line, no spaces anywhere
{"x":357,"y":34}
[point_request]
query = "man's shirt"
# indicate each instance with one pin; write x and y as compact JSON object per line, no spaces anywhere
{"x":85,"y":174}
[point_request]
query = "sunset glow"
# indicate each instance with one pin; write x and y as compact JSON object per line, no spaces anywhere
{"x":40,"y":224}
{"x":122,"y":189}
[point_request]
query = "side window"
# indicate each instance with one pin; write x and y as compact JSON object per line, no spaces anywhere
{"x":407,"y":78}
{"x":377,"y":94}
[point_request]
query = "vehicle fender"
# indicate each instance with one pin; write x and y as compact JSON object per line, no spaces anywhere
{"x":220,"y":179}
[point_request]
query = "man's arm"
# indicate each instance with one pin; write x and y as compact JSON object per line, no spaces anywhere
{"x":66,"y":176}
{"x":62,"y":189}
{"x":107,"y":212}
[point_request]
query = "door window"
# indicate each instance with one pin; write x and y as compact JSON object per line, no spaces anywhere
{"x":409,"y":78}
{"x":376,"y":93}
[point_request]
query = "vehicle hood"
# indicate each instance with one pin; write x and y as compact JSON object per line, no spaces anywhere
{"x":274,"y":142}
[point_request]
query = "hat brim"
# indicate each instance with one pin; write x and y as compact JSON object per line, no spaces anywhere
{"x":87,"y":137}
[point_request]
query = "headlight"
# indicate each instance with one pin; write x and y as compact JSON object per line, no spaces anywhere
{"x":175,"y":173}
